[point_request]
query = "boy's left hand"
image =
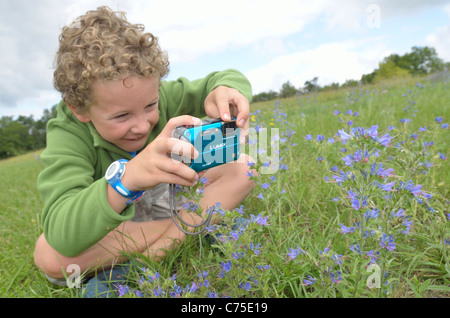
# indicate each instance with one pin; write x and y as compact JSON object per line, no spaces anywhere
{"x":225,"y":102}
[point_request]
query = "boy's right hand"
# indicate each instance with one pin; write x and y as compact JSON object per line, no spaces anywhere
{"x":154,"y":165}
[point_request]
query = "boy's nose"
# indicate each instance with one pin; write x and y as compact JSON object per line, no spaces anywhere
{"x":141,"y":125}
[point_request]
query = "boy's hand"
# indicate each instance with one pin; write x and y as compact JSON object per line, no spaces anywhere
{"x":153,"y":165}
{"x":225,"y":102}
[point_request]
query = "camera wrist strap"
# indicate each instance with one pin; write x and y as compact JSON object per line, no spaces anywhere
{"x":176,"y":216}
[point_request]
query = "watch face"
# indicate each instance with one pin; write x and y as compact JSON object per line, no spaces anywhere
{"x":112,"y":170}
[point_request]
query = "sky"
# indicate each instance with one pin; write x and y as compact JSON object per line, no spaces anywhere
{"x":270,"y":42}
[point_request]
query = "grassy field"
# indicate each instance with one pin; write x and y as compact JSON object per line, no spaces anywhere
{"x":320,"y":226}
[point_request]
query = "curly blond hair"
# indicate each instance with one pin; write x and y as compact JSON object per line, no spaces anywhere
{"x":102,"y":44}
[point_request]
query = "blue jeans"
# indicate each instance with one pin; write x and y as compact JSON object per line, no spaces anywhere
{"x":106,"y":284}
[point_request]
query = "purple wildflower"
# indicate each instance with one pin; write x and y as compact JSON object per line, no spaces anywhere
{"x":344,"y":136}
{"x":337,"y":258}
{"x":226,"y":266}
{"x":373,"y":256}
{"x":346,"y":230}
{"x":387,"y":242}
{"x":388,"y":186}
{"x":373,"y":131}
{"x":384,"y":140}
{"x":311,"y":280}
{"x":123,"y":290}
{"x":259,"y":219}
{"x":294,"y":252}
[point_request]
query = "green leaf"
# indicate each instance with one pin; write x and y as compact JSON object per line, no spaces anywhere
{"x":439,"y":288}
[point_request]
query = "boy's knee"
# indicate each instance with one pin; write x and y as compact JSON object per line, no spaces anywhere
{"x":243,"y":172}
{"x":44,"y":259}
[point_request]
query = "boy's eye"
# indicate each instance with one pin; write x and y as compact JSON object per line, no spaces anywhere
{"x":151,"y":105}
{"x":121,"y":116}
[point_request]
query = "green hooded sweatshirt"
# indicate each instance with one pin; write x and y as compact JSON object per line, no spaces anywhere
{"x":72,"y":186}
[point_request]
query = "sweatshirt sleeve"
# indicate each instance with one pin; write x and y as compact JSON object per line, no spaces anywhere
{"x":76,"y":212}
{"x":187,"y":97}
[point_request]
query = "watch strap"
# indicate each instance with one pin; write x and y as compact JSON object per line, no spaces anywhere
{"x":116,"y":183}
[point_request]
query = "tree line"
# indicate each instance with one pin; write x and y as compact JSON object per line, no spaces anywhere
{"x":23,"y":134}
{"x":420,"y":61}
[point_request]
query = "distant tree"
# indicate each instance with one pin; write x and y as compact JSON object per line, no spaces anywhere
{"x":311,"y":85}
{"x":23,"y":134}
{"x":331,"y":86}
{"x":15,"y":139}
{"x":424,"y":60}
{"x":420,"y":61}
{"x":265,"y":96}
{"x":350,"y":83}
{"x":388,"y":70}
{"x":287,"y":90}
{"x":368,"y":78}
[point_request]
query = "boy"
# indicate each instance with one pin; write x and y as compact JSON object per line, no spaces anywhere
{"x":116,"y":107}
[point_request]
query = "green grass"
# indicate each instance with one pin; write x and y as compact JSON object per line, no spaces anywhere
{"x":304,"y":215}
{"x":20,"y":209}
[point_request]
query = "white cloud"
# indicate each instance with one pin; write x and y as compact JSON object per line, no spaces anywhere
{"x":440,"y":39}
{"x":332,"y":62}
{"x":193,"y":28}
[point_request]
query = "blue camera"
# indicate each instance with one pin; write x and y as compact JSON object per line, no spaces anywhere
{"x":216,"y":141}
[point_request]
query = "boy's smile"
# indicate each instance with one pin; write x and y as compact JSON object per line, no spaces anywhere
{"x":124,"y":111}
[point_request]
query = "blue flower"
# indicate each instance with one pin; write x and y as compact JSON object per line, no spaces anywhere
{"x":384,"y":140}
{"x":309,"y":281}
{"x":337,"y":258}
{"x":226,"y":266}
{"x":371,"y":214}
{"x":373,"y":131}
{"x":294,"y":252}
{"x":193,"y":288}
{"x":387,"y":242}
{"x":259,"y":219}
{"x":388,"y":186}
{"x":158,"y":292}
{"x":123,"y":290}
{"x":344,"y":136}
{"x":355,"y":248}
{"x":346,"y":230}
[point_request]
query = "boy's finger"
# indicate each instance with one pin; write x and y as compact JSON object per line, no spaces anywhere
{"x":179,"y":121}
{"x":182,"y":148}
{"x":243,"y":111}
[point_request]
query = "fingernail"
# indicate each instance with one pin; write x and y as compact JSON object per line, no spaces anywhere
{"x":226,"y":116}
{"x":242,"y":122}
{"x":196,"y":120}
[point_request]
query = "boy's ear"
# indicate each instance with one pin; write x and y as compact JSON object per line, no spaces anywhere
{"x":84,"y":118}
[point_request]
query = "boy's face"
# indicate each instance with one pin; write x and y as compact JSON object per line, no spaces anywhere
{"x":124,"y":111}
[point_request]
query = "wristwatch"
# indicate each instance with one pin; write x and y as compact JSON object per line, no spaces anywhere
{"x":113,"y":176}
